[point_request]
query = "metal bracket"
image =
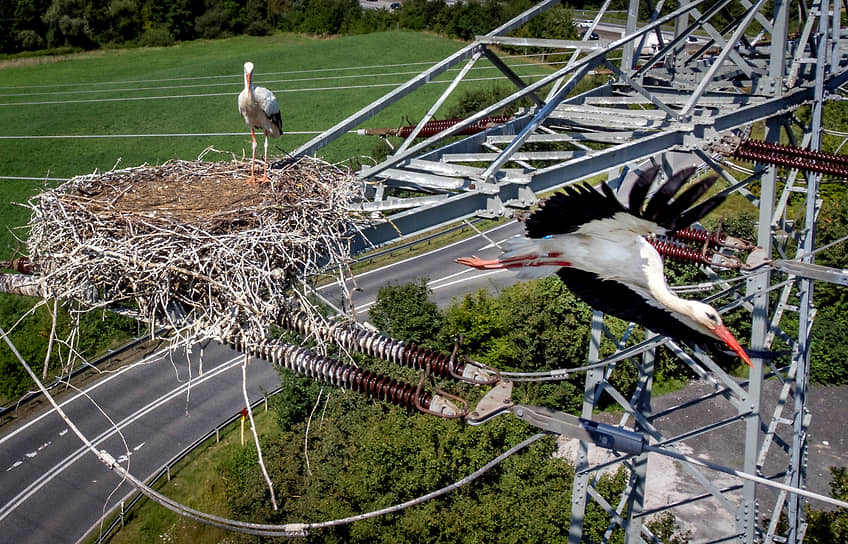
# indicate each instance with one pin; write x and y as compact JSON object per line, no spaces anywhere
{"x":605,"y":436}
{"x":497,"y":401}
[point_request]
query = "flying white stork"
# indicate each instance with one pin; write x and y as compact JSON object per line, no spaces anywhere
{"x":598,"y":248}
{"x":260,"y":109}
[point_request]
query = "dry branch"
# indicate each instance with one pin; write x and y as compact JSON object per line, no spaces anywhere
{"x":192,"y":246}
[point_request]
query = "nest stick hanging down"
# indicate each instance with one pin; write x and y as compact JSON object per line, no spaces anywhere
{"x":190,"y":245}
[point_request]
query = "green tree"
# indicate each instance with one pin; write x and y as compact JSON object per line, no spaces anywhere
{"x":404,"y":312}
{"x":534,"y":325}
{"x":828,"y":527}
{"x":664,"y":527}
{"x":98,"y":330}
{"x":67,"y":24}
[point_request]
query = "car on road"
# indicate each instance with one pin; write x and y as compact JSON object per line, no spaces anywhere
{"x":592,"y":36}
{"x":394,"y":5}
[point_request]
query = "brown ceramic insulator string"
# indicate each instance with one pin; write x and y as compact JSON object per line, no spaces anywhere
{"x":698,"y":236}
{"x":680,"y":252}
{"x":334,"y":372}
{"x":831,"y":164}
{"x":821,"y":156}
{"x":431,"y":128}
{"x":355,"y":337}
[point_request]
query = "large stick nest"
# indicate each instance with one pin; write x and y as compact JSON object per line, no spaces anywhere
{"x":191,"y":245}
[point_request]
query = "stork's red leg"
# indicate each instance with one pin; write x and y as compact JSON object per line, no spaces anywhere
{"x":265,"y":164}
{"x":551,"y":259}
{"x":252,"y":178}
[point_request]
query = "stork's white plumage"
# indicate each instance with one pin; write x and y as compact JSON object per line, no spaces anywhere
{"x":598,"y":249}
{"x":260,"y":109}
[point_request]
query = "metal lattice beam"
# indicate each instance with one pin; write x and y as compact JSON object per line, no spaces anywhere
{"x":671,"y":91}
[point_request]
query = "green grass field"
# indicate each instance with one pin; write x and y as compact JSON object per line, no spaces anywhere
{"x":191,"y":88}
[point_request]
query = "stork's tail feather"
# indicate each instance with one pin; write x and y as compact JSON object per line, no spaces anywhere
{"x":519,"y":246}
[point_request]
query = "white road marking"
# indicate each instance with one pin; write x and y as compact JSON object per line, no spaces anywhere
{"x":445,"y":278}
{"x":489,"y":232}
{"x":16,"y":464}
{"x":463,"y":280}
{"x":47,"y":476}
{"x":78,"y":396}
{"x":432,"y":285}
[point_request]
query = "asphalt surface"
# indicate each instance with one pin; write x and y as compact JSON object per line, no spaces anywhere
{"x":53,"y":490}
{"x":446,"y":279}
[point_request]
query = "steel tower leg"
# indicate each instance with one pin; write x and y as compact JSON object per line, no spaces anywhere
{"x":582,"y":477}
{"x":639,"y":471}
{"x":801,"y":355}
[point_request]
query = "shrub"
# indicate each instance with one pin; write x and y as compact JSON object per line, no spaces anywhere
{"x":157,"y":36}
{"x":29,"y":40}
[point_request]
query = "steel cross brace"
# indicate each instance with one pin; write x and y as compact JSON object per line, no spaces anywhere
{"x":499,"y":401}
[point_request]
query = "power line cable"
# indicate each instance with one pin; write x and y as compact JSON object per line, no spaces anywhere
{"x":239,"y":76}
{"x":290,"y":529}
{"x":276,"y":91}
{"x":264,"y":81}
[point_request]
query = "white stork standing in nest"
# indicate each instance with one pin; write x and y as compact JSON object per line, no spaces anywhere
{"x":260,"y":109}
{"x":598,"y":248}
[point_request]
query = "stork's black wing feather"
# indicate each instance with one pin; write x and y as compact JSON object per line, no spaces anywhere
{"x":277,"y":119}
{"x":658,"y":205}
{"x":640,"y":189}
{"x":695,"y":213}
{"x":567,"y":211}
{"x":679,"y":213}
{"x":615,"y":298}
{"x":687,"y":198}
{"x":577,"y":205}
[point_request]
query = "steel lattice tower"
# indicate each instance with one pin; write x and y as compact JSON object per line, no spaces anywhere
{"x":684,"y":85}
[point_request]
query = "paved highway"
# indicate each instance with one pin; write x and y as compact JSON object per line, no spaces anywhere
{"x":53,"y":490}
{"x":447,"y":279}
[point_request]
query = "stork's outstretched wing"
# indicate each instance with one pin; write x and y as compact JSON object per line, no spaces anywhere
{"x":578,"y":205}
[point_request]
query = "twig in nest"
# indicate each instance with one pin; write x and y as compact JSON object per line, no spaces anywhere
{"x":190,"y":245}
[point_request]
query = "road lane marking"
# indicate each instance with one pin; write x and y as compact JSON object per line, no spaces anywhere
{"x":464,"y":280}
{"x":47,"y":476}
{"x":368,"y":305}
{"x":385,"y":267}
{"x":80,"y":395}
{"x":445,"y":278}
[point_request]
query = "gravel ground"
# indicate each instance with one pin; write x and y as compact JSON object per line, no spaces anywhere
{"x":707,"y":519}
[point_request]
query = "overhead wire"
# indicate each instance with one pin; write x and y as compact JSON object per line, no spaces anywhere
{"x":276,"y":91}
{"x":233,"y":83}
{"x":262,"y":74}
{"x":289,"y":529}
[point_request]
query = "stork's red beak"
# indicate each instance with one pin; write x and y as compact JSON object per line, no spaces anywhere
{"x":722,"y":332}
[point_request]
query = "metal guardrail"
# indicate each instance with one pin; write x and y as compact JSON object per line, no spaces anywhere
{"x":133,"y":497}
{"x":28,"y":397}
{"x":395,"y":248}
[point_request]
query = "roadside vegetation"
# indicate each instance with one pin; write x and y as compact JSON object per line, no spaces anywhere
{"x":77,"y":92}
{"x":361,"y":455}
